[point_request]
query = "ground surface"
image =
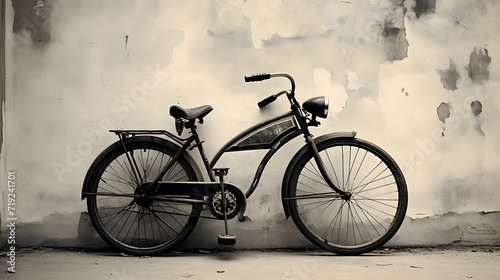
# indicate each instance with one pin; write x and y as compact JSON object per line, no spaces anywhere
{"x":442,"y":263}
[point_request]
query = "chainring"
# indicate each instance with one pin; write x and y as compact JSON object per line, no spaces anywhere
{"x":234,"y":202}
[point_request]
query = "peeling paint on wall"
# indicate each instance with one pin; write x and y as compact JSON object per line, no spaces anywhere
{"x":477,"y":108}
{"x":479,"y":62}
{"x":32,"y":20}
{"x":443,"y":112}
{"x":396,"y":45}
{"x":451,"y":229}
{"x":393,"y":31}
{"x":450,"y":76}
{"x":424,"y":7}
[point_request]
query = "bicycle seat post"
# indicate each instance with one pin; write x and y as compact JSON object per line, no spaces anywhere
{"x":224,"y":239}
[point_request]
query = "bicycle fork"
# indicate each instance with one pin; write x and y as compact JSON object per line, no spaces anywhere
{"x":323,"y":171}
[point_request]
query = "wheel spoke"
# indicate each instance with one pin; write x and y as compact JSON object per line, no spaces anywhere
{"x":164,"y":222}
{"x":363,"y":202}
{"x":310,"y":195}
{"x":111,"y":171}
{"x":375,"y":188}
{"x":363,"y":224}
{"x":317,"y":181}
{"x":351,"y":166}
{"x":150,"y":168}
{"x":332,"y":167}
{"x":379,"y":201}
{"x":370,"y":217}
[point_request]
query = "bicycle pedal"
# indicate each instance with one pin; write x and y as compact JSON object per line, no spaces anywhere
{"x":227,"y":239}
{"x":244,"y":219}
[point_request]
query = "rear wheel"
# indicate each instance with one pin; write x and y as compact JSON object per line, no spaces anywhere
{"x":355,"y":225}
{"x":128,"y":221}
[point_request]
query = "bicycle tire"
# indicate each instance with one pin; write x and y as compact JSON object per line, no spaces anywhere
{"x":372,"y":215}
{"x":131,"y":225}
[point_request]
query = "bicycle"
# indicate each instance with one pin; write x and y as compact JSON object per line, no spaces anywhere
{"x":145,"y":193}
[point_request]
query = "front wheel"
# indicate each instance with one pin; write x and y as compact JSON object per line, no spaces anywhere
{"x":349,"y":226}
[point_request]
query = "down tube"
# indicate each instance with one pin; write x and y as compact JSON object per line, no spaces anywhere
{"x":285,"y":139}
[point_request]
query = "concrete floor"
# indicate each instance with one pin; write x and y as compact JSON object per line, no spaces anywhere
{"x":448,"y":263}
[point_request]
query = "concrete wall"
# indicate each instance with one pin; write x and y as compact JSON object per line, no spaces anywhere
{"x":419,"y":78}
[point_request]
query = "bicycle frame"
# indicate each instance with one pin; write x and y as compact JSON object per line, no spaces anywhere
{"x":270,"y":135}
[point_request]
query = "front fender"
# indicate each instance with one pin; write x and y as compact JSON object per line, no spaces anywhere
{"x":295,"y":159}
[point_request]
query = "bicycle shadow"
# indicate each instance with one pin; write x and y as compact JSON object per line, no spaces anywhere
{"x":237,"y":255}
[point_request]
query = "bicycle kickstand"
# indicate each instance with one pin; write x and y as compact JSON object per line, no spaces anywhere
{"x":224,"y":239}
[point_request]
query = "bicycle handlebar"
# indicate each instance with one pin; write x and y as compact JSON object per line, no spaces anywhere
{"x":266,"y":76}
{"x":257,"y":77}
{"x":268,"y":100}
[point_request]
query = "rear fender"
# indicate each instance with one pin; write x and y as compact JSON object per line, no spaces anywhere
{"x":118,"y":145}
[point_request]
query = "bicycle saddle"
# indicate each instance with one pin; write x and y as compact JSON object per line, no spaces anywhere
{"x":191,"y":113}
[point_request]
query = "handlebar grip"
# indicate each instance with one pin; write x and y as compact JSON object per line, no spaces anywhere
{"x":257,"y":77}
{"x":266,"y":101}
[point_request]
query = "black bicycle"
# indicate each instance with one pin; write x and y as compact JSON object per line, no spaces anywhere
{"x":145,"y":193}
